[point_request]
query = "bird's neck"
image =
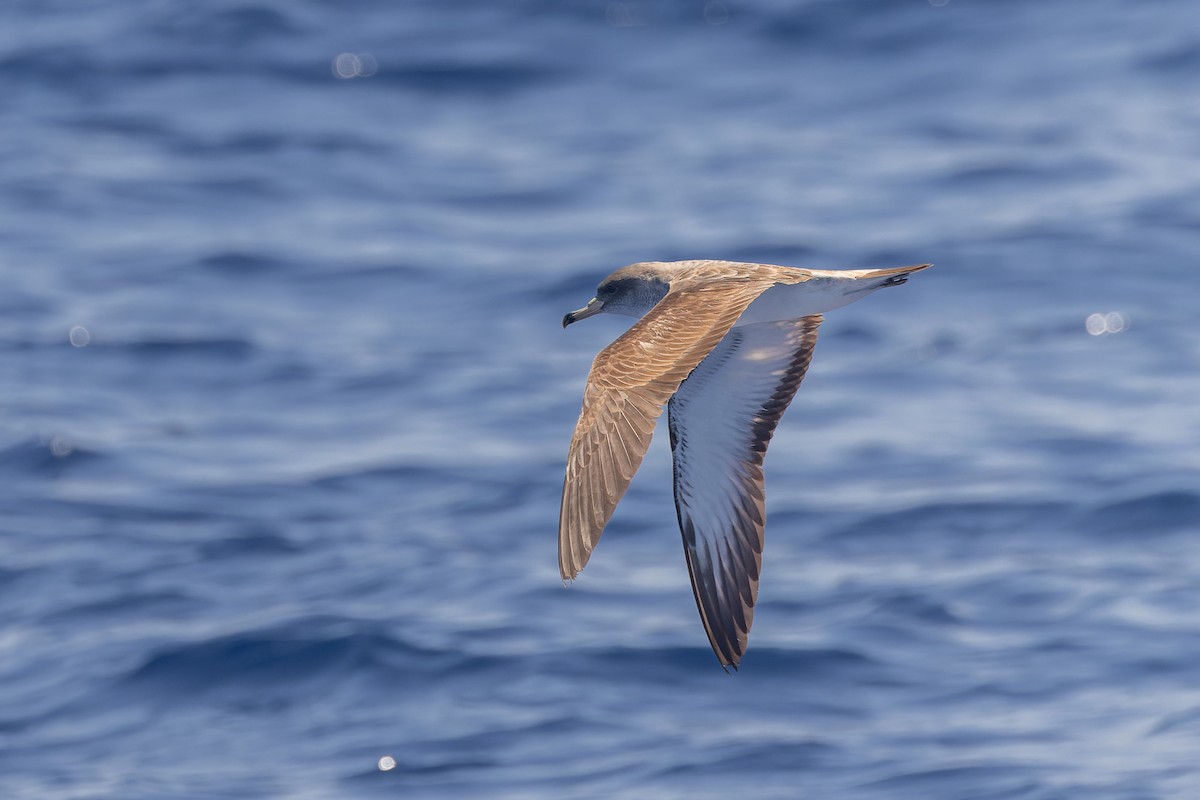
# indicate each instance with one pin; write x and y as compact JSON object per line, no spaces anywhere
{"x":644,"y":296}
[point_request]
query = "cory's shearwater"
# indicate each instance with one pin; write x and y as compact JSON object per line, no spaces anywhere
{"x":724,"y":345}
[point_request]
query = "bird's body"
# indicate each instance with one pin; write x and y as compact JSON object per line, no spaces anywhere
{"x":725,"y":346}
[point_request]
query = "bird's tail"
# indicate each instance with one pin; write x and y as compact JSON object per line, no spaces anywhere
{"x":893,"y":276}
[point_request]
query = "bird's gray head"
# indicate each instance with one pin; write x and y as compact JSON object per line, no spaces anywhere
{"x":630,"y":291}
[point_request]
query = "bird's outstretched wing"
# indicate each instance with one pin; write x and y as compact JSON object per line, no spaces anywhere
{"x":721,"y":420}
{"x":629,"y":382}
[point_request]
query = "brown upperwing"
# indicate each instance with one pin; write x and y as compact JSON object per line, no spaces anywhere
{"x":629,"y":382}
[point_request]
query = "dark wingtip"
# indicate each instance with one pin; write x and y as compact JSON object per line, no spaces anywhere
{"x":902,"y":278}
{"x":568,"y":319}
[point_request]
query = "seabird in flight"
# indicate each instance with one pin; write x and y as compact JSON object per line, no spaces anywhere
{"x":724,"y":345}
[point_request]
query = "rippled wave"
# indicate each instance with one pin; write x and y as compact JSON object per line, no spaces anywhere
{"x":286,"y":399}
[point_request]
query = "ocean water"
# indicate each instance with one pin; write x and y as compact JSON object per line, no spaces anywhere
{"x":284,"y":398}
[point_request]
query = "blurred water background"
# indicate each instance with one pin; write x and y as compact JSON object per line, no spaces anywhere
{"x":285,"y":399}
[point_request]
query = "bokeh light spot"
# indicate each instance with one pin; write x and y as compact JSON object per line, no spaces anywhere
{"x":716,"y":13}
{"x":1098,"y":324}
{"x":354,"y":65}
{"x":345,"y":65}
{"x":79,"y":336}
{"x":60,"y":447}
{"x":623,"y":15}
{"x":386,"y":763}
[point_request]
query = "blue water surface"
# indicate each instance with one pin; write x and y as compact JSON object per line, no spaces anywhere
{"x":285,"y":398}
